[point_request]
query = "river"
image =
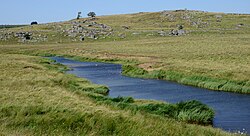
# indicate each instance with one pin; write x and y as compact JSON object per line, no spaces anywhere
{"x":232,"y":109}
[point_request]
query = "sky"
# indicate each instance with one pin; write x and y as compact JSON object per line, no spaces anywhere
{"x":44,"y":11}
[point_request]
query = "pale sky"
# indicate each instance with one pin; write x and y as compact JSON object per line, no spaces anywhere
{"x":43,"y":11}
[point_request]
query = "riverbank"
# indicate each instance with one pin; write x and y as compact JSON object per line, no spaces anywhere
{"x":149,"y":67}
{"x":214,"y":56}
{"x":38,"y":99}
{"x":132,"y":68}
{"x":231,"y":111}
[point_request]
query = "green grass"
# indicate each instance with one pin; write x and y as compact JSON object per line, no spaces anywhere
{"x":10,"y":26}
{"x":215,"y":56}
{"x":190,"y":111}
{"x":38,"y":99}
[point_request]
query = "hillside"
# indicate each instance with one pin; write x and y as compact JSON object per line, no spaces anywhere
{"x":132,"y":26}
{"x":209,"y":50}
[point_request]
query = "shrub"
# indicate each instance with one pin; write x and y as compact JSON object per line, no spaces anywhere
{"x":133,"y":70}
{"x":78,"y":15}
{"x":91,"y":14}
{"x":33,"y":23}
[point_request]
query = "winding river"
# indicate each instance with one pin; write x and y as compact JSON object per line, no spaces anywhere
{"x":232,"y":110}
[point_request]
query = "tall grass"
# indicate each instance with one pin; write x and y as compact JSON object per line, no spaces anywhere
{"x":194,"y":80}
{"x":41,"y":100}
{"x":214,"y":57}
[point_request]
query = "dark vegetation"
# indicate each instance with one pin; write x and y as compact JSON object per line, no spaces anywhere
{"x":91,"y":14}
{"x":34,"y":23}
{"x":78,"y":15}
{"x":10,"y":26}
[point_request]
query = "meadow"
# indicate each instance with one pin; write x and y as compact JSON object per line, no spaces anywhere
{"x":38,"y":98}
{"x":215,"y":56}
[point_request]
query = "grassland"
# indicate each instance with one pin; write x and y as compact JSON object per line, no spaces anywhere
{"x":10,"y":26}
{"x":214,"y":56}
{"x":37,"y":98}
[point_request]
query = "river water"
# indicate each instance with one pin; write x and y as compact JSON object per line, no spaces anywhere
{"x":232,"y":110}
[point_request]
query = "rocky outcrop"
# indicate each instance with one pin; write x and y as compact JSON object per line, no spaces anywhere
{"x":22,"y":36}
{"x":87,"y":29}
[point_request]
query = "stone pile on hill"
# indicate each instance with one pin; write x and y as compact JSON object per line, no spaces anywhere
{"x":5,"y":35}
{"x":173,"y":32}
{"x":189,"y":16}
{"x":21,"y":36}
{"x":87,"y":29}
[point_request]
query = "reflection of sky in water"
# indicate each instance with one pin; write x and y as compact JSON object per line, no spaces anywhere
{"x":232,"y":110}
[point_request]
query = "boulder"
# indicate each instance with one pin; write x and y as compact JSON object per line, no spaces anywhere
{"x":177,"y":32}
{"x":162,"y":33}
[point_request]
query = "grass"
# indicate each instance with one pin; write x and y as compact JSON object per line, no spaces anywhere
{"x":214,"y":57}
{"x":37,"y":99}
{"x":10,"y":26}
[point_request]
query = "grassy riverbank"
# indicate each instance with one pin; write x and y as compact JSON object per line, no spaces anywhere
{"x":229,"y":75}
{"x":38,"y":99}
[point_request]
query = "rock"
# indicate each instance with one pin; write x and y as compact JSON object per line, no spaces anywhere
{"x":181,"y":32}
{"x":82,"y":38}
{"x":162,"y":33}
{"x":170,"y":16}
{"x":135,"y":33}
{"x":27,"y":36}
{"x":240,"y":25}
{"x":218,"y":18}
{"x":77,"y":30}
{"x":177,"y":32}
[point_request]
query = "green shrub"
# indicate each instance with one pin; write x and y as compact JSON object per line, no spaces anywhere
{"x":195,"y":111}
{"x":133,"y":70}
{"x":158,"y":74}
{"x":190,"y":111}
{"x":123,"y":99}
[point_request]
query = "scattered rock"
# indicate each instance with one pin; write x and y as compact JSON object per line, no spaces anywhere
{"x":135,"y":33}
{"x":177,"y":32}
{"x":91,"y":30}
{"x":218,"y":18}
{"x":162,"y":33}
{"x":240,"y":25}
{"x":82,"y":38}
